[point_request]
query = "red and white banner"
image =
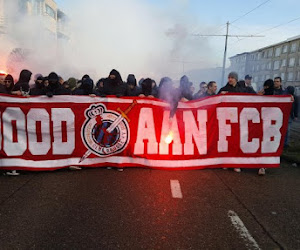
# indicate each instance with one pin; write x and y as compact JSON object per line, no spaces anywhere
{"x":41,"y":133}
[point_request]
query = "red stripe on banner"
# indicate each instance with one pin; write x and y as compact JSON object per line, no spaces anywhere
{"x":14,"y":131}
{"x":64,"y":131}
{"x":39,"y":136}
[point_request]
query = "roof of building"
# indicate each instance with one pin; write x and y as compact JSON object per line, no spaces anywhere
{"x":294,"y":38}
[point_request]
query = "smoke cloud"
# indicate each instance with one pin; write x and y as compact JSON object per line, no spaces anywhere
{"x":131,"y":36}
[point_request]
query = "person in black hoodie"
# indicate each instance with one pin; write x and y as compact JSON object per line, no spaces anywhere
{"x":232,"y":86}
{"x":268,"y":87}
{"x":185,"y":89}
{"x":132,"y":89}
{"x":113,"y":85}
{"x":168,"y":93}
{"x":55,"y":88}
{"x":22,"y":86}
{"x":146,"y":90}
{"x":39,"y":88}
{"x":9,"y":83}
{"x":86,"y":87}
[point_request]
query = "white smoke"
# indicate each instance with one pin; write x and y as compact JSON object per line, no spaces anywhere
{"x":131,"y":36}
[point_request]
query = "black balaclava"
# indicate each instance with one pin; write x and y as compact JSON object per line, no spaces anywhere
{"x":270,"y":87}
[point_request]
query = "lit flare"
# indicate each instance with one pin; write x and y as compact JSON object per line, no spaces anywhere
{"x":169,"y":138}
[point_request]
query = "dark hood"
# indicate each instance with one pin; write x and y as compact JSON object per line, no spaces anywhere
{"x":53,"y":81}
{"x":290,"y":90}
{"x":147,"y":87}
{"x":87,"y":86}
{"x":131,"y":79}
{"x":118,"y":78}
{"x":270,"y":87}
{"x":184,"y":82}
{"x":25,"y":76}
{"x":12,"y":83}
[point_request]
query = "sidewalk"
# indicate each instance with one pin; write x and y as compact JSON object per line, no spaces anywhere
{"x":292,"y":154}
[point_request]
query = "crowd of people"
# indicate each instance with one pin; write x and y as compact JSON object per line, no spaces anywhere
{"x":53,"y":84}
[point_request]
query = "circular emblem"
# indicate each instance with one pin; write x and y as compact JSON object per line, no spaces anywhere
{"x":105,"y":132}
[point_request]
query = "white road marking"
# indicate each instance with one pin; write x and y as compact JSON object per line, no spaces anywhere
{"x":175,"y":189}
{"x":243,"y":231}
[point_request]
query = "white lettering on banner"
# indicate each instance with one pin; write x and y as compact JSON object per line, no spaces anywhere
{"x":60,"y":115}
{"x":35,"y":147}
{"x":224,"y":114}
{"x":248,"y":114}
{"x":177,"y":145}
{"x":272,"y":123}
{"x":146,"y":131}
{"x":192,"y":131}
{"x":11,"y":147}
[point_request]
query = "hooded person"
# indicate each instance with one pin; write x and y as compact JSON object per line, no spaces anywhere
{"x":71,"y":84}
{"x":39,"y":87}
{"x":132,"y":89}
{"x":185,"y":89}
{"x":113,"y":85}
{"x":86,"y":87}
{"x":168,"y":93}
{"x":146,"y":90}
{"x":269,"y":87}
{"x":9,"y":83}
{"x":22,"y":86}
{"x":54,"y":87}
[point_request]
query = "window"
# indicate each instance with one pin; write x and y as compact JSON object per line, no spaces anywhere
{"x":283,"y":63}
{"x":257,"y":67}
{"x":270,"y":53}
{"x":253,"y":68}
{"x":263,"y":66}
{"x":269,"y":65}
{"x":256,"y":78}
{"x":298,"y":75}
{"x":50,"y":11}
{"x":278,"y":51}
{"x":259,"y":56}
{"x":268,"y":77}
{"x":294,"y":47}
{"x":276,"y":65}
{"x":282,"y":75}
{"x":292,"y":62}
{"x":285,"y":48}
{"x":290,"y":76}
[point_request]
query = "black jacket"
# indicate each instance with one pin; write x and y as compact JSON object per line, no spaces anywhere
{"x":231,"y":89}
{"x":23,"y":83}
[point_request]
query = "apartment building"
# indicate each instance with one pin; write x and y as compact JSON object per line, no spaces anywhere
{"x":281,"y":59}
{"x":53,"y":20}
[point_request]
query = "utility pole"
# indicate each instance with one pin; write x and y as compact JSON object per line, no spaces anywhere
{"x":225,"y":54}
{"x":225,"y":51}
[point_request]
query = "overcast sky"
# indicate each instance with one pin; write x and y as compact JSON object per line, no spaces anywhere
{"x":147,"y":31}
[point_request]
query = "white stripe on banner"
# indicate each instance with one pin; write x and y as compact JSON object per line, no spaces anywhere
{"x":140,"y":161}
{"x":194,"y":104}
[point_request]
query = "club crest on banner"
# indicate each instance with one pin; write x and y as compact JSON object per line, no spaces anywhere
{"x":105,"y":132}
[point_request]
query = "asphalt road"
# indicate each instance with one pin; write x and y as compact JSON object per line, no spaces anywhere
{"x":136,"y":209}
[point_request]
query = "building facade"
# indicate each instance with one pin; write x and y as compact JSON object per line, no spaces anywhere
{"x":281,"y":59}
{"x":53,"y":20}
